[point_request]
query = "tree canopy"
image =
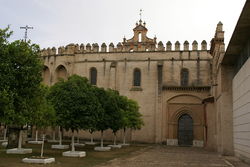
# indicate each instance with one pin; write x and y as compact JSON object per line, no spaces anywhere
{"x":115,"y":110}
{"x":45,"y":113}
{"x":20,"y":78}
{"x":102,"y":122}
{"x":132,"y":118}
{"x":74,"y":102}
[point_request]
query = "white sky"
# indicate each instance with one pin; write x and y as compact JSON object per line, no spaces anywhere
{"x":60,"y":22}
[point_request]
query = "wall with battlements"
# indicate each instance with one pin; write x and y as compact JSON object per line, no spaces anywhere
{"x":160,"y":66}
{"x":94,"y":48}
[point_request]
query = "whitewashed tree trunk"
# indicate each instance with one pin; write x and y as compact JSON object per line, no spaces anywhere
{"x":60,"y":136}
{"x":36,"y":135}
{"x":101,"y":138}
{"x":124,"y":136}
{"x":42,"y":146}
{"x":5,"y":133}
{"x":20,"y":139}
{"x":73,"y":141}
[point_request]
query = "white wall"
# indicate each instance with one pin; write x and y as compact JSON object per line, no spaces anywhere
{"x":241,"y":112}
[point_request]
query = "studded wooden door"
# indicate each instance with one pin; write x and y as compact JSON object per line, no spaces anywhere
{"x":185,"y":130}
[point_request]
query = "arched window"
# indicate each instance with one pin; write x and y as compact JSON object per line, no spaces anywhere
{"x":137,"y":77}
{"x":46,"y":75}
{"x":139,"y":37}
{"x":184,"y":77}
{"x":61,"y":72}
{"x":93,"y":76}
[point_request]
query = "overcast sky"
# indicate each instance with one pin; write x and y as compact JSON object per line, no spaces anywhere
{"x":60,"y":22}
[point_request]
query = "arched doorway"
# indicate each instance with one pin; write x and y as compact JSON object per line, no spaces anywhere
{"x":185,"y":130}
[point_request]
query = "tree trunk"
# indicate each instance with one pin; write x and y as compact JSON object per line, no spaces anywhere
{"x":54,"y":135}
{"x":5,"y":133}
{"x":114,"y":138}
{"x":60,"y":136}
{"x":13,"y":133}
{"x":91,"y":136}
{"x":73,"y":141}
{"x":78,"y":139}
{"x":20,"y":139}
{"x":36,"y":135}
{"x":42,"y":145}
{"x":101,"y":138}
{"x":124,"y":136}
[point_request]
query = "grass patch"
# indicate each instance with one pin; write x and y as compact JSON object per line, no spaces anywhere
{"x":92,"y":157}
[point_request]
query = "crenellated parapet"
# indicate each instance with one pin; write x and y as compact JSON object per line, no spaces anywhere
{"x":120,"y":47}
{"x":140,"y":42}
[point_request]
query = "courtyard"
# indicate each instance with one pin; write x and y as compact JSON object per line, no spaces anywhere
{"x":167,"y":156}
{"x":140,"y":155}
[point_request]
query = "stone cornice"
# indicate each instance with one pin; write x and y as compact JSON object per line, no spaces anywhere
{"x":186,"y":88}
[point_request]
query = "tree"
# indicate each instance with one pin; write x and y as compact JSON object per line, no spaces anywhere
{"x":20,"y":71}
{"x":103,"y":119}
{"x":45,"y":113}
{"x":132,"y":116}
{"x":6,"y":97}
{"x":96,"y":115}
{"x":75,"y":104}
{"x":114,"y":110}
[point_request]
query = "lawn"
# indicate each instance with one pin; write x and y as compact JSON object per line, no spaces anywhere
{"x":92,"y":157}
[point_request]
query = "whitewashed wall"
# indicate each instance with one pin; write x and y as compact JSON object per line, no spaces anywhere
{"x":241,"y":112}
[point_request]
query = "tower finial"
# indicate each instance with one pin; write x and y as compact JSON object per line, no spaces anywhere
{"x":140,"y":21}
{"x":140,"y":13}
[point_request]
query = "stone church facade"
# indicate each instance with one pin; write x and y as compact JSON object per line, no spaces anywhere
{"x":173,"y":86}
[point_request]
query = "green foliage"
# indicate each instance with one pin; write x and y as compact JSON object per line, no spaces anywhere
{"x":20,"y":77}
{"x":6,"y":103}
{"x":74,"y":102}
{"x":102,"y":121}
{"x":115,"y":110}
{"x":132,"y":117}
{"x":4,"y":35}
{"x":118,"y":111}
{"x":44,"y":113}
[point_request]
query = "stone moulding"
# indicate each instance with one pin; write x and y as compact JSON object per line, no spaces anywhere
{"x":137,"y":60}
{"x":186,"y":88}
{"x":136,"y":89}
